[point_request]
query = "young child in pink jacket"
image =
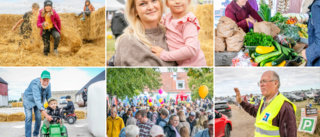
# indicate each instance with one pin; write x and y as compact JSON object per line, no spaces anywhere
{"x":50,"y":24}
{"x":182,"y":29}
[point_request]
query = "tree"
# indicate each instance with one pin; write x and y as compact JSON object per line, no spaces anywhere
{"x":131,"y":82}
{"x":198,"y":77}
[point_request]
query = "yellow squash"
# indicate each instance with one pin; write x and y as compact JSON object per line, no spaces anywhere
{"x":264,"y":50}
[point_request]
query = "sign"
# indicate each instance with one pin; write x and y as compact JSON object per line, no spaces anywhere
{"x":303,"y":112}
{"x":307,"y":124}
{"x":311,"y":112}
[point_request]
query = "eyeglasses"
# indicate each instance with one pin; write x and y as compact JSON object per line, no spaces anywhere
{"x":264,"y":82}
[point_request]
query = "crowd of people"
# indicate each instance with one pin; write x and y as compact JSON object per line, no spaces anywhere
{"x":169,"y":120}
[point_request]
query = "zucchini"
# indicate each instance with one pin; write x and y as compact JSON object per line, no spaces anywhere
{"x":278,"y":60}
{"x":268,"y":64}
{"x":277,"y":45}
{"x":263,"y":63}
{"x":254,"y":55}
{"x":264,"y":50}
{"x":266,"y":56}
{"x":282,"y":64}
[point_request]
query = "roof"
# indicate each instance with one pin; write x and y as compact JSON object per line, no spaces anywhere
{"x":99,"y":77}
{"x":2,"y":81}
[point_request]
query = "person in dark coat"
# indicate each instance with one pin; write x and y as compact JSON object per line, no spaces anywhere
{"x":170,"y":130}
{"x":127,"y":115}
{"x":118,"y":23}
{"x":84,"y":96}
{"x":69,"y":108}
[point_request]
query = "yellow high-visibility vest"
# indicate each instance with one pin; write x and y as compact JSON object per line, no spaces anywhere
{"x":251,"y":101}
{"x":264,"y":127}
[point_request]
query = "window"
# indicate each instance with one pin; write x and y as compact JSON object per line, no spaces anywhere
{"x":180,"y":84}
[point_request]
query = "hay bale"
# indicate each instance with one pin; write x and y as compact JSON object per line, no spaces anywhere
{"x":3,"y":117}
{"x":16,"y":117}
{"x":33,"y":116}
{"x":14,"y":104}
{"x":80,"y":114}
{"x":204,"y":14}
{"x":20,"y":104}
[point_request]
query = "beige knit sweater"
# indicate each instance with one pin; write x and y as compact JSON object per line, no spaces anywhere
{"x":131,"y":52}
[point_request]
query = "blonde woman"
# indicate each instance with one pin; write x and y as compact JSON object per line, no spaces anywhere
{"x":200,"y":125}
{"x":144,"y":31}
{"x":183,"y":121}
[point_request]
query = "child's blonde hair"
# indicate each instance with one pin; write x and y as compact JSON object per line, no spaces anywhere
{"x":35,"y":6}
{"x":136,"y":27}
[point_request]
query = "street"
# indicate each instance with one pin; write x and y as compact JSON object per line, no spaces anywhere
{"x":16,"y":129}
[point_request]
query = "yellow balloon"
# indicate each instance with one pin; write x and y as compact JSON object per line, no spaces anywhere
{"x":46,"y":105}
{"x":203,"y":91}
{"x":160,"y":100}
{"x":109,"y":36}
{"x":150,"y":104}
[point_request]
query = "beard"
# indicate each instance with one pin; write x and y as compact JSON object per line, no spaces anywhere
{"x":43,"y":86}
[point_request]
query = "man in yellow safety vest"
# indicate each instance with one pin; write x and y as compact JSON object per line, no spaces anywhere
{"x":275,"y":114}
{"x":251,"y":99}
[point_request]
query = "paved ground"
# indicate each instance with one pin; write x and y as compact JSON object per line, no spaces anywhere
{"x":16,"y":129}
{"x":242,"y":123}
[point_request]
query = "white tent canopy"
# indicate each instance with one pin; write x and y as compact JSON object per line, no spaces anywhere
{"x":114,"y":5}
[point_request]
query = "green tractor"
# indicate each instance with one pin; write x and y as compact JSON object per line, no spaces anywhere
{"x":54,"y":129}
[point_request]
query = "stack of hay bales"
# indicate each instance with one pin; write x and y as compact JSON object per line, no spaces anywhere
{"x":204,"y":13}
{"x":16,"y":117}
{"x":17,"y":104}
{"x":80,"y":114}
{"x":97,"y":25}
{"x":3,"y":117}
{"x":33,"y":116}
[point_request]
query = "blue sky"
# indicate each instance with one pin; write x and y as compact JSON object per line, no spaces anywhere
{"x":246,"y":79}
{"x":61,"y":6}
{"x":68,"y":78}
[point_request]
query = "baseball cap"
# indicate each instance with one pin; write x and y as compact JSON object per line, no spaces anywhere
{"x":156,"y":130}
{"x":48,"y":3}
{"x":192,"y":113}
{"x":210,"y":122}
{"x":45,"y":74}
{"x":68,"y":97}
{"x":51,"y":99}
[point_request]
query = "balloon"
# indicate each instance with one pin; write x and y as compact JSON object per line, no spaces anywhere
{"x":109,"y":36}
{"x":203,"y":91}
{"x":150,"y":104}
{"x":150,"y":100}
{"x":158,"y":97}
{"x":46,"y":105}
{"x":161,"y":103}
{"x":160,"y":100}
{"x":160,"y":91}
{"x":158,"y":104}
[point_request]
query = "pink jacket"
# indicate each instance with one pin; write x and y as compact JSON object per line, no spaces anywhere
{"x":182,"y":40}
{"x":54,"y":18}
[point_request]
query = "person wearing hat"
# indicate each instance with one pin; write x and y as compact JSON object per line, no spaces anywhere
{"x":34,"y":96}
{"x":87,"y":10}
{"x":50,"y":24}
{"x":69,"y":108}
{"x":156,"y":131}
{"x":208,"y":132}
{"x":191,"y":120}
{"x":53,"y":110}
{"x":85,"y":96}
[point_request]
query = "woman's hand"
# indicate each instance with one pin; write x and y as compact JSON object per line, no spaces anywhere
{"x":156,"y":50}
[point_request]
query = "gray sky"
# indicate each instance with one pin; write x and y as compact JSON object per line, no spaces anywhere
{"x":68,"y":78}
{"x":246,"y":79}
{"x":61,"y":6}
